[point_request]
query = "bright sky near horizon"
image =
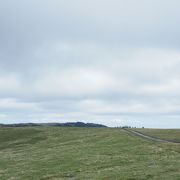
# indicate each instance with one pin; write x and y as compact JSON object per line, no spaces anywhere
{"x":113,"y":62}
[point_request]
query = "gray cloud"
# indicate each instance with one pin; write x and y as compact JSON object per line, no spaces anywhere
{"x":112,"y":62}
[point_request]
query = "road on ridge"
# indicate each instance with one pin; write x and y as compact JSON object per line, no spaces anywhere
{"x":151,"y":138}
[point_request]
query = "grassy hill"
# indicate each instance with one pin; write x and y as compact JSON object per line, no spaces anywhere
{"x":52,"y":153}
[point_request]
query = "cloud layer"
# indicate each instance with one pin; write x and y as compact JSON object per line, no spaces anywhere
{"x":111,"y":62}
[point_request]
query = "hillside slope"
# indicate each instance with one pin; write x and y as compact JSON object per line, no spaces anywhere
{"x":43,"y":153}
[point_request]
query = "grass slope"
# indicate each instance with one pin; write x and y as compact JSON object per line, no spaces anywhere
{"x":169,"y":134}
{"x":52,"y":153}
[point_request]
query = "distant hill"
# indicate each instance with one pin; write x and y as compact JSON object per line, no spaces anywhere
{"x":68,"y":124}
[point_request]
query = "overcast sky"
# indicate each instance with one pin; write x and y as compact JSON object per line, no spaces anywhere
{"x":115,"y":62}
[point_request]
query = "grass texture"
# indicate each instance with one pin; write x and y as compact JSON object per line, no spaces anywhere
{"x":62,"y":153}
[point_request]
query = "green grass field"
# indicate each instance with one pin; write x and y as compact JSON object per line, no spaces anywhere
{"x":52,"y":153}
{"x":169,"y":134}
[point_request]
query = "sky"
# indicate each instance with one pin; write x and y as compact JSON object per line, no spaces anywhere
{"x":112,"y":62}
